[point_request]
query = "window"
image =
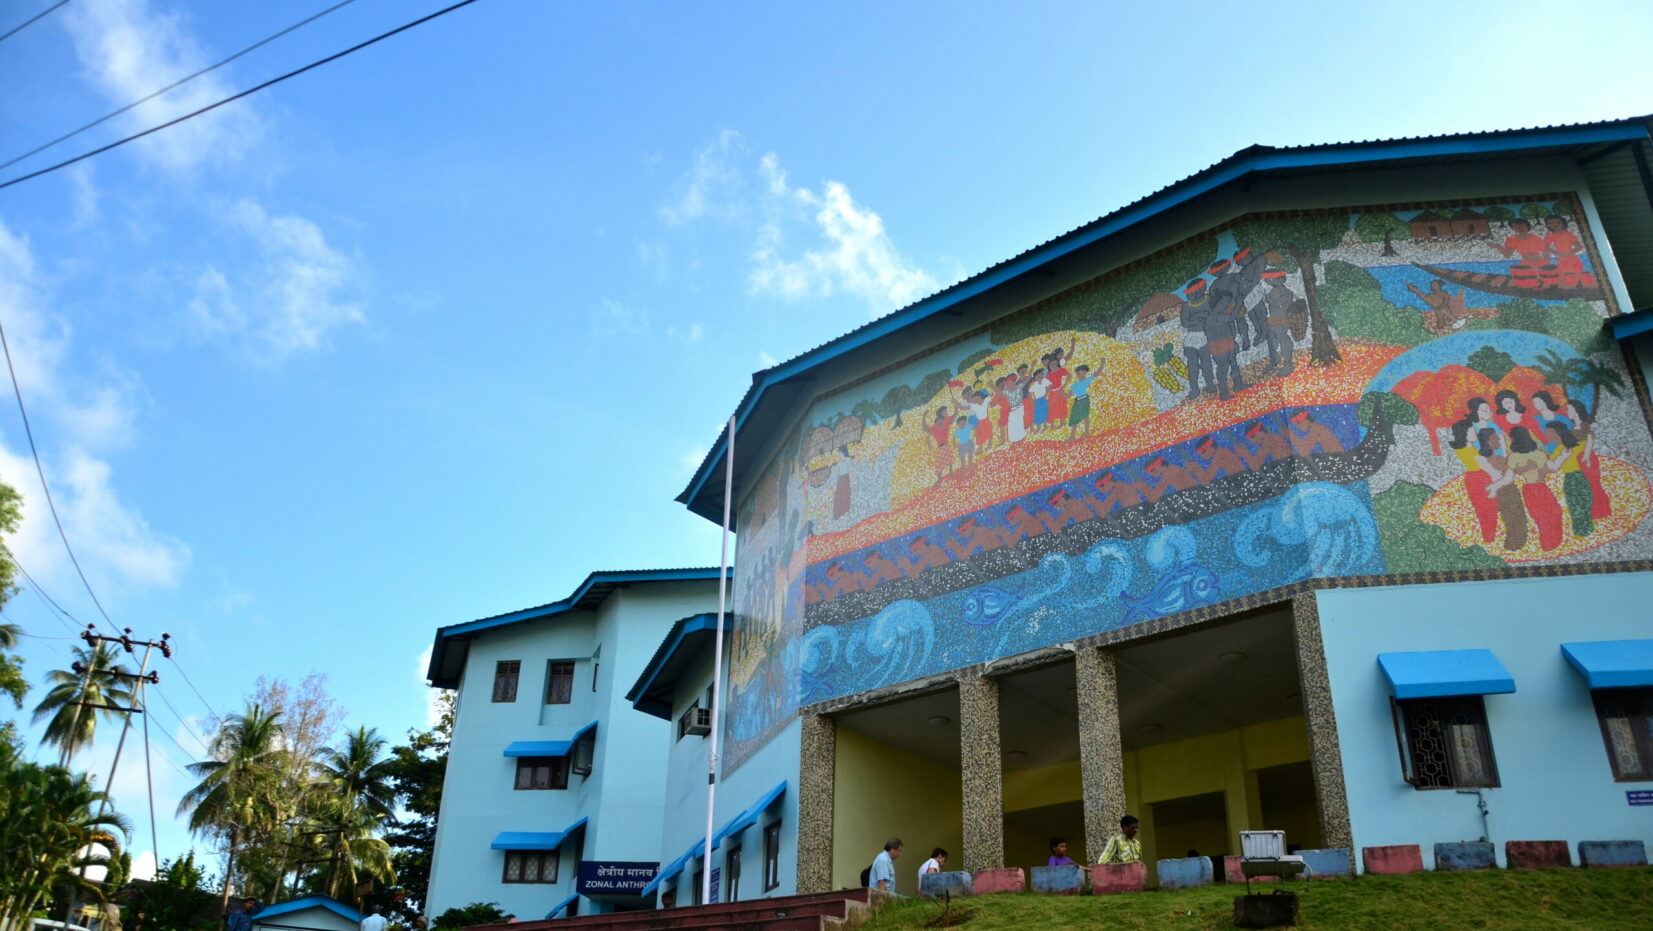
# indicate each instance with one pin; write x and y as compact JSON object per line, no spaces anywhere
{"x":530,"y":866}
{"x":594,"y":668}
{"x":559,"y":683}
{"x":694,"y":890}
{"x":1626,"y":717}
{"x":542,"y":772}
{"x":771,"y":856}
{"x":505,"y":679}
{"x":731,"y":869}
{"x":1444,"y":743}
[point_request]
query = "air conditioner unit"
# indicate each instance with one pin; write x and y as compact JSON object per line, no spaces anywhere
{"x":580,"y":760}
{"x":696,"y":721}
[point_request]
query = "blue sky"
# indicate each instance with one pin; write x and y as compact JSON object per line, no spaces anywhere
{"x":431,"y":332}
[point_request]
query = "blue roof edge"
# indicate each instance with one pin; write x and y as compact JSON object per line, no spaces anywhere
{"x":1244,"y":162}
{"x":310,"y":901}
{"x":552,"y":609}
{"x":681,"y":630}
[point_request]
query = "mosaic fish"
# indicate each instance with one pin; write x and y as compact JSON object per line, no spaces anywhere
{"x":1178,"y":590}
{"x":984,"y":606}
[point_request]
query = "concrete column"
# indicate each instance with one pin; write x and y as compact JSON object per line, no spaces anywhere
{"x":1326,"y":758}
{"x":819,"y":754}
{"x":1101,"y":754}
{"x":981,"y":761}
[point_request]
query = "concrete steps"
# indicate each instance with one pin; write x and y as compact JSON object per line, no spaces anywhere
{"x":831,"y":911}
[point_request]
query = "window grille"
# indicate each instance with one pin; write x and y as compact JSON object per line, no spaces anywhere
{"x":559,"y":683}
{"x":506,"y":673}
{"x":1626,"y":717}
{"x":1444,"y":743}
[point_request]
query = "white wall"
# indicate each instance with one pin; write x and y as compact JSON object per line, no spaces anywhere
{"x":622,"y":798}
{"x":1556,"y":780}
{"x":685,"y":793}
{"x":319,"y":919}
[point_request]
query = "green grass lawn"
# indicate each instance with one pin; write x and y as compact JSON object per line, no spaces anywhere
{"x":1547,"y":899}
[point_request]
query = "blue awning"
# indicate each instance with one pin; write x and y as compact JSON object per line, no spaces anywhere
{"x":1439,"y":673}
{"x":562,"y":905}
{"x":550,"y":747}
{"x":750,"y":816}
{"x":1625,"y":326}
{"x":535,"y":840}
{"x":539,"y":748}
{"x":673,"y":868}
{"x":527,"y":840}
{"x":1612,"y":664}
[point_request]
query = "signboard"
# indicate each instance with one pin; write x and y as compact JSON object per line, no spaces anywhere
{"x":1639,"y":797}
{"x":613,"y":877}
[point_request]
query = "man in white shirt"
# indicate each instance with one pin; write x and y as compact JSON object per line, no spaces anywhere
{"x":882,"y":874}
{"x":374,"y":921}
{"x":938,"y":860}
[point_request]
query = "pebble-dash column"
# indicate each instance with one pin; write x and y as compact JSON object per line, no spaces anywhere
{"x":1101,"y":753}
{"x":819,"y":754}
{"x":980,"y":756}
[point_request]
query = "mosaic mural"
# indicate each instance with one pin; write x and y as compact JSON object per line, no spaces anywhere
{"x":1291,"y":396}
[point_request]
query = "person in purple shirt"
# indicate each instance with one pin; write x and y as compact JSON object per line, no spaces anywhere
{"x":1059,"y":852}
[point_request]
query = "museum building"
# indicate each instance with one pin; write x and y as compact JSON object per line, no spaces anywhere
{"x":1309,"y":493}
{"x":1253,"y":504}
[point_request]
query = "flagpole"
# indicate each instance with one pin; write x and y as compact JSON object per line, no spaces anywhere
{"x":717,"y":663}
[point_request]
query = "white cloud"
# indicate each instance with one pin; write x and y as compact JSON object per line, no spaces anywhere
{"x":616,"y":319}
{"x":128,"y":51}
{"x":691,"y":460}
{"x":73,"y":414}
{"x":852,"y":252}
{"x":766,"y":360}
{"x":292,"y":299}
{"x":711,"y":186}
{"x":86,"y":195}
{"x":689,"y":334}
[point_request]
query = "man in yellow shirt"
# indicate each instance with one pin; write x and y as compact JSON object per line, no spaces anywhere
{"x":1123,"y":847}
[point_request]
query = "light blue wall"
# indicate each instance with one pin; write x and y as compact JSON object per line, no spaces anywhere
{"x":685,"y":816}
{"x":623,"y":798}
{"x":1556,"y":781}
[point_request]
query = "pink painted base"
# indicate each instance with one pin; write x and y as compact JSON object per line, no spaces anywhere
{"x":1009,"y":879}
{"x":1232,"y":874}
{"x":1537,"y":854}
{"x":1392,"y":861}
{"x":1115,"y":878}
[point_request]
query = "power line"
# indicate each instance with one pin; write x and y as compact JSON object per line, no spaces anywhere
{"x":182,"y":720}
{"x":53,"y":608}
{"x":175,"y":84}
{"x":32,"y":20}
{"x":191,"y":683}
{"x":234,"y":97}
{"x":29,"y":432}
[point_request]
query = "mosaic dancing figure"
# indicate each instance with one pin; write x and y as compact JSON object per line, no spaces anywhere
{"x":1276,"y":328}
{"x":1589,"y":461}
{"x":1531,"y":250}
{"x":1194,"y":349}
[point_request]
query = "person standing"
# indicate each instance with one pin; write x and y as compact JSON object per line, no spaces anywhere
{"x":1123,"y":847}
{"x":375,"y":920}
{"x":1079,"y":413}
{"x":1584,"y":427}
{"x":1195,"y":352}
{"x":882,"y":874}
{"x":242,"y":920}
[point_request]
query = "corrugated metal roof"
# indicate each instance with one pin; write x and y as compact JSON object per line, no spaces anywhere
{"x":1256,"y":159}
{"x":590,"y":594}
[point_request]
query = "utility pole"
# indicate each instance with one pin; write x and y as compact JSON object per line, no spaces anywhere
{"x":129,"y":644}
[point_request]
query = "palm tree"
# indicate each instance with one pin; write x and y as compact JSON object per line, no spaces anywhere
{"x":51,"y":828}
{"x":355,"y":798}
{"x":72,"y":704}
{"x":8,"y":636}
{"x":1588,"y":373}
{"x":237,"y":797}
